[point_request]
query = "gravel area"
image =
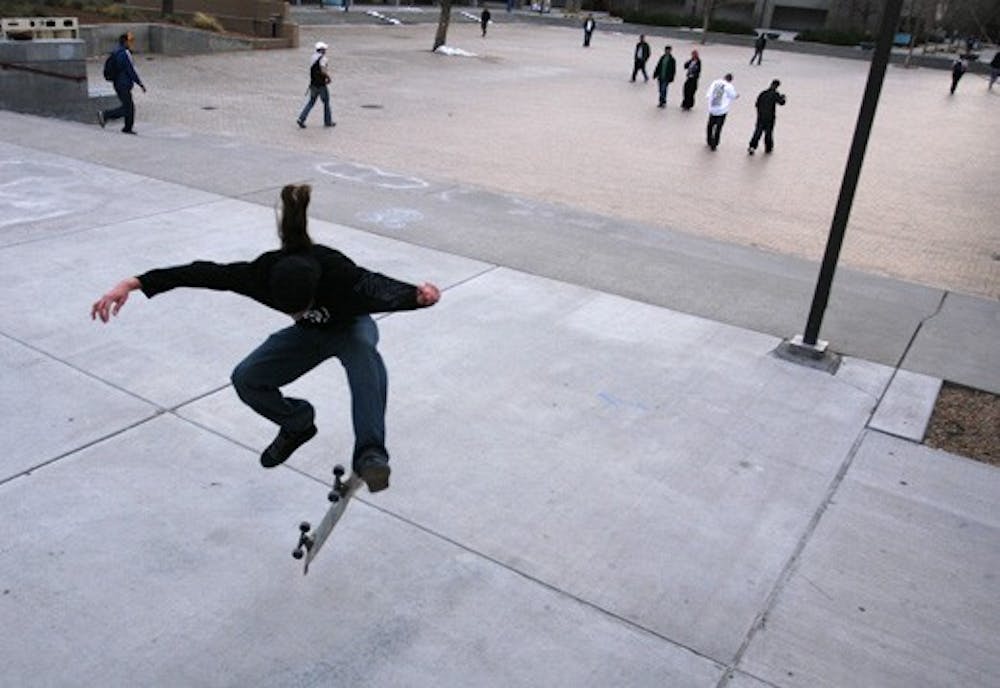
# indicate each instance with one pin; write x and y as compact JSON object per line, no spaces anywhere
{"x":966,"y":422}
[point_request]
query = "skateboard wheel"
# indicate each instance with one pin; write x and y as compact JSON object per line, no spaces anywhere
{"x":298,"y":554}
{"x":333,"y":497}
{"x":339,"y":471}
{"x":304,"y":526}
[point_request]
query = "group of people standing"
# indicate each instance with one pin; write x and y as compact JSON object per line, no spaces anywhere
{"x":720,"y":95}
{"x":666,"y":70}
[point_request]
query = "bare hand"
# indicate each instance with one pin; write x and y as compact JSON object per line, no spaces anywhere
{"x":112,"y":302}
{"x":427,"y":294}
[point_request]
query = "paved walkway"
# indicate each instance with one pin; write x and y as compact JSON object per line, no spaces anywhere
{"x":591,"y":487}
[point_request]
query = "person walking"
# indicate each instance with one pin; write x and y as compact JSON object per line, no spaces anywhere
{"x":958,"y":68}
{"x":664,"y":73}
{"x":588,"y":29}
{"x":693,"y":72}
{"x":721,"y":94}
{"x":758,"y":49}
{"x":994,"y":69}
{"x":767,"y":102}
{"x":641,"y":57}
{"x":484,"y":19}
{"x":319,"y":78}
{"x":330,"y":300}
{"x":125,"y":78}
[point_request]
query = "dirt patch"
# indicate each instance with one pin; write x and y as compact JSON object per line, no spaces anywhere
{"x":966,"y":421}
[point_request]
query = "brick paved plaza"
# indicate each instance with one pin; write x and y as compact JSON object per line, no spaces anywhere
{"x":535,"y":114}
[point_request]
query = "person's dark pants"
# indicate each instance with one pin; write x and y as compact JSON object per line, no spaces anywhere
{"x":954,"y":81}
{"x":290,"y":353}
{"x":126,"y":109}
{"x":586,"y":38}
{"x":766,"y":128}
{"x":714,"y":131}
{"x":640,"y":66}
{"x":663,"y":91}
{"x":690,"y":86}
{"x":757,"y":55}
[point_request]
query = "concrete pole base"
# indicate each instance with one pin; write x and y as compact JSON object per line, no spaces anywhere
{"x":815,"y":356}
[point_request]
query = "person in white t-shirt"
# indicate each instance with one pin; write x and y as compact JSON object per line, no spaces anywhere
{"x":721,"y":94}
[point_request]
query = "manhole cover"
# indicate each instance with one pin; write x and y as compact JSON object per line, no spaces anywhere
{"x":372,"y":106}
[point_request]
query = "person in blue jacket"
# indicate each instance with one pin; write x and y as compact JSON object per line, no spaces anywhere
{"x":125,"y":78}
{"x":330,"y":299}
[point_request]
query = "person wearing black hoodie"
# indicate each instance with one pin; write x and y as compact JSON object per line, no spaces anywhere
{"x":330,"y":298}
{"x":640,"y":58}
{"x":767,"y":103}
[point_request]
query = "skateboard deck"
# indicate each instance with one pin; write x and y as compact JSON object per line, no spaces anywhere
{"x":311,"y":541}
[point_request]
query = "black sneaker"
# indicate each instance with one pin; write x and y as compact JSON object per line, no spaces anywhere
{"x":373,"y":467}
{"x":284,"y":445}
{"x":302,"y":125}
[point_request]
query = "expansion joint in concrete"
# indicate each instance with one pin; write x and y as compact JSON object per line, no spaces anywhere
{"x":791,"y":564}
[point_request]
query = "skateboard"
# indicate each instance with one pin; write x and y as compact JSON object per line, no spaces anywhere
{"x":310,"y":543}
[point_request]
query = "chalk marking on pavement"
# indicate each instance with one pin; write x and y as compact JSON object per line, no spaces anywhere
{"x":369,"y":174}
{"x":30,"y":192}
{"x":391,"y":218}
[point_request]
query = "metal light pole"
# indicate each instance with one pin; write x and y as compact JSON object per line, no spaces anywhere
{"x":808,"y":343}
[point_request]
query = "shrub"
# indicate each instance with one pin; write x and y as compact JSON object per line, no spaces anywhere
{"x":728,"y":26}
{"x":116,"y":11}
{"x":652,"y":17}
{"x":206,"y":22}
{"x":832,"y":37}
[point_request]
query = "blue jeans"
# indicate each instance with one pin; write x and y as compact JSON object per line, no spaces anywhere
{"x":663,"y":91}
{"x":290,"y":353}
{"x":323,"y":93}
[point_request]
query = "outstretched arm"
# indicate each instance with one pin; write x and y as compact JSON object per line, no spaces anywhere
{"x":112,"y":302}
{"x":427,"y":294}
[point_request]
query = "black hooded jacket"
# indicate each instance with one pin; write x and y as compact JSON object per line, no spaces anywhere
{"x":345,"y":289}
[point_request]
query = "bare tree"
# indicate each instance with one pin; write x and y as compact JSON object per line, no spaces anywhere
{"x":442,"y":32}
{"x":709,"y":6}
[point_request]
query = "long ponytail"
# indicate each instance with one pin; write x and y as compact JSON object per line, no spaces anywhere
{"x":292,"y":218}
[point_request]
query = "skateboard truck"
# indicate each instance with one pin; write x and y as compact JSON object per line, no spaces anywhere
{"x":305,"y":540}
{"x":339,"y":488}
{"x":310,"y":541}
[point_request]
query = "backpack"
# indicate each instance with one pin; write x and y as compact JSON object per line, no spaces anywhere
{"x":316,"y":76}
{"x":111,"y":66}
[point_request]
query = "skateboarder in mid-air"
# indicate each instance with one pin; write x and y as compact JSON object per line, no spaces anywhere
{"x":330,"y":298}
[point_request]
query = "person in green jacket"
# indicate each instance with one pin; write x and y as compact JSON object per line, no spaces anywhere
{"x":664,"y":73}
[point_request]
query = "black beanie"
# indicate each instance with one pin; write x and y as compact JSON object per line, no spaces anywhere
{"x":293,"y":282}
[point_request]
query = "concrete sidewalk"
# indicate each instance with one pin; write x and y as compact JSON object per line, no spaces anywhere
{"x":589,"y":490}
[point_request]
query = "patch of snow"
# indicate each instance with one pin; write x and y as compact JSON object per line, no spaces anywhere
{"x":458,"y":52}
